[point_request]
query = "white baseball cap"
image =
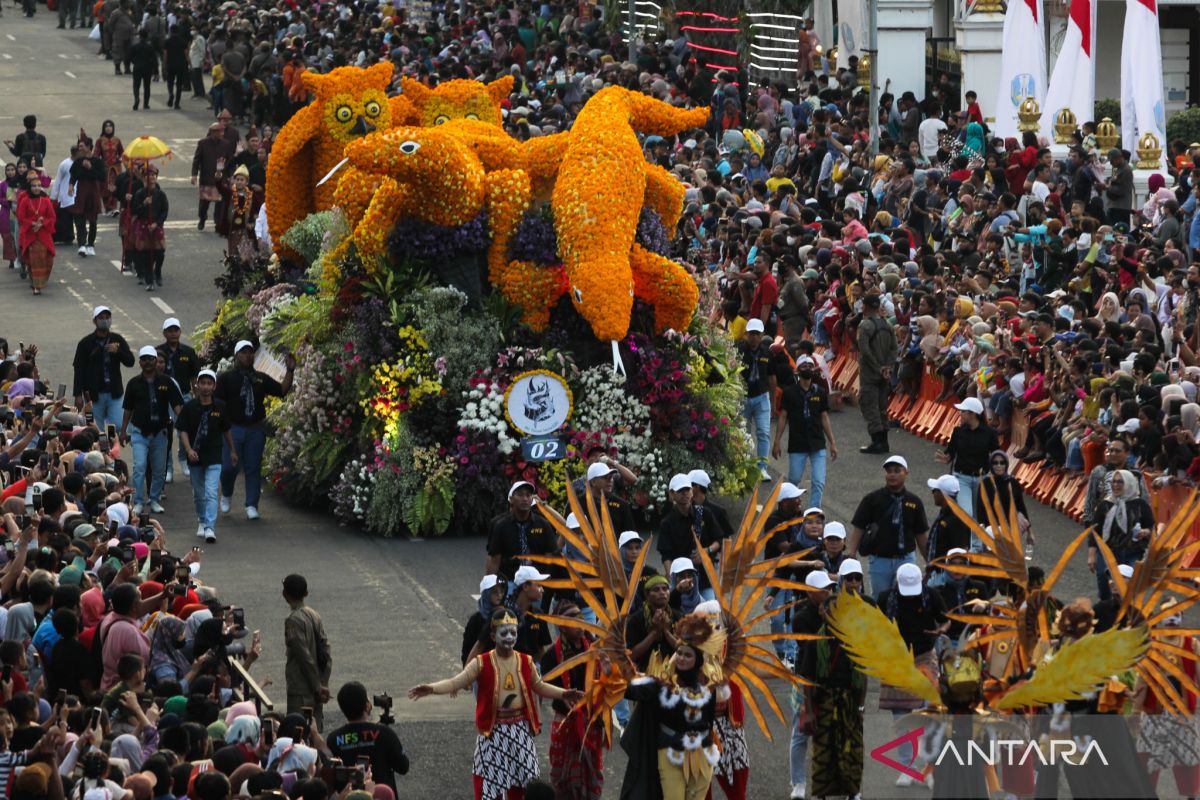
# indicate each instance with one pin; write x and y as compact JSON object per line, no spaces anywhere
{"x":835,"y":530}
{"x":700,"y":478}
{"x":148,"y":350}
{"x":627,"y":537}
{"x":805,"y":359}
{"x":908,"y":579}
{"x":206,"y":373}
{"x":818,"y":579}
{"x":599,"y":470}
{"x":789,"y":491}
{"x":1125,"y":570}
{"x":850,"y":566}
{"x":679,"y":482}
{"x":813,"y":511}
{"x":755,"y":326}
{"x":488,"y":582}
{"x":171,"y":322}
{"x":955,"y":551}
{"x":946,"y":484}
{"x":242,"y":345}
{"x":895,"y":460}
{"x":573,"y":522}
{"x":513,"y":489}
{"x":526,"y":574}
{"x":682,"y":565}
{"x":98,"y":310}
{"x":971,"y":404}
{"x":1129,"y":426}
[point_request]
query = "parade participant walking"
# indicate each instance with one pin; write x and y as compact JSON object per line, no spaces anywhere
{"x":148,"y":215}
{"x":63,"y":196}
{"x":518,"y":532}
{"x":129,"y":183}
{"x":947,"y":532}
{"x":889,"y":526}
{"x":203,"y":427}
{"x":149,"y":400}
{"x":109,"y":149}
{"x":181,"y":364}
{"x":971,"y":445}
{"x":576,"y":748}
{"x":309,"y":659}
{"x":804,"y":412}
{"x":755,"y":357}
{"x":144,"y":58}
{"x":87,"y":185}
{"x":10,"y":191}
{"x":682,"y":525}
{"x":240,"y":205}
{"x":29,"y":141}
{"x":877,"y":351}
{"x":244,"y":391}
{"x":36,"y":216}
{"x":99,"y":357}
{"x":212,"y":152}
{"x":506,"y":711}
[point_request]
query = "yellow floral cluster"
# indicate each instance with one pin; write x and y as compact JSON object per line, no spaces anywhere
{"x":602,"y":184}
{"x":397,"y":387}
{"x":431,"y":465}
{"x":456,"y":99}
{"x":350,"y":102}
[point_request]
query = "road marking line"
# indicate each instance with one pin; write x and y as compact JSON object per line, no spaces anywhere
{"x":166,"y":309}
{"x":11,"y":38}
{"x":62,"y":55}
{"x":116,"y":263}
{"x":69,"y":74}
{"x":6,"y":55}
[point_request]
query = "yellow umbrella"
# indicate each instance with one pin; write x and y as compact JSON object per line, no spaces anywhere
{"x":147,"y":148}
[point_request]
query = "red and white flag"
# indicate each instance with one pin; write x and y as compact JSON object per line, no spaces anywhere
{"x":1073,"y":82}
{"x":1142,"y":108}
{"x":1022,"y":63}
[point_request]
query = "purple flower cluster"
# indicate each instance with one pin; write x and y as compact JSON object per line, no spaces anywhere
{"x":413,"y":239}
{"x":652,"y":235}
{"x":372,"y":330}
{"x":535,"y":239}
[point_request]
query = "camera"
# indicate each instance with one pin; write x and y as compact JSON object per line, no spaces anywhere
{"x":384,"y":703}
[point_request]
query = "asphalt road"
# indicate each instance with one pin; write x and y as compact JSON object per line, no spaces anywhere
{"x":394,"y":609}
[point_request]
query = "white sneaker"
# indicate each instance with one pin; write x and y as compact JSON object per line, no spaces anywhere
{"x":137,"y":508}
{"x":156,"y":507}
{"x":224,"y":504}
{"x":766,"y":476}
{"x":904,"y":780}
{"x":184,"y":471}
{"x":91,"y":251}
{"x":200,"y":530}
{"x":251,"y":512}
{"x":799,"y":790}
{"x":170,"y":477}
{"x":210,"y":535}
{"x":83,"y":250}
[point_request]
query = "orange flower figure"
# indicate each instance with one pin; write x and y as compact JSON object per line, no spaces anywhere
{"x":350,"y":103}
{"x":597,"y":199}
{"x":456,"y":99}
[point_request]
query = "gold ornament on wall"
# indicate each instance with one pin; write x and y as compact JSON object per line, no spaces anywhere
{"x":1064,"y":126}
{"x":864,"y":71}
{"x":1149,"y":152}
{"x":1107,"y":134}
{"x":1030,"y":116}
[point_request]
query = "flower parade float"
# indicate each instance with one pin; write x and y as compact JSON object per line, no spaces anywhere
{"x":446,"y":263}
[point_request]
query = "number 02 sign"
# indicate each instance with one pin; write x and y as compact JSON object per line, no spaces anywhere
{"x":543,"y":448}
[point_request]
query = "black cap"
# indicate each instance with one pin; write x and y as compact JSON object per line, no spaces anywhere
{"x":871,"y":301}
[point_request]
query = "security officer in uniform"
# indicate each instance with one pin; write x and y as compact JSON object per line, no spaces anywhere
{"x":877,"y":350}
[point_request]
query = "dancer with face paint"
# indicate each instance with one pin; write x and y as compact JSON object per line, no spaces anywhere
{"x":506,"y":711}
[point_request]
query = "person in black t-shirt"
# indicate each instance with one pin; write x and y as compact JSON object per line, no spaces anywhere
{"x":181,"y":364}
{"x":681,"y":525}
{"x":960,"y":592}
{"x":149,"y":400}
{"x":895,"y":518}
{"x":533,"y":635}
{"x":203,"y":427}
{"x":360,"y":737}
{"x":600,"y":480}
{"x":520,"y":531}
{"x":804,"y":411}
{"x":755,"y":357}
{"x":947,"y":532}
{"x":700,"y":484}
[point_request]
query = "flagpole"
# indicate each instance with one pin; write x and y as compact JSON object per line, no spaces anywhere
{"x":873,"y":89}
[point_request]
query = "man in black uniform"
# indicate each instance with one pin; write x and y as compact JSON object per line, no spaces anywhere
{"x":149,"y":400}
{"x":180,"y":364}
{"x":99,"y":357}
{"x":804,"y":411}
{"x":682,"y":521}
{"x":243,"y":390}
{"x":203,"y":426}
{"x":361,"y":738}
{"x":518,"y":532}
{"x":889,"y":526}
{"x":947,"y":532}
{"x":600,"y":479}
{"x":958,"y":590}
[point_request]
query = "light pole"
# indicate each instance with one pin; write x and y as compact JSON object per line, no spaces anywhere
{"x":632,"y":31}
{"x":873,"y":89}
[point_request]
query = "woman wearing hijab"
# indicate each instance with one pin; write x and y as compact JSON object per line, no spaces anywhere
{"x":127,"y":747}
{"x":109,"y":149}
{"x":167,"y":659}
{"x":36,"y":219}
{"x":685,"y":591}
{"x":492,"y":591}
{"x":974,"y":145}
{"x":10,"y":187}
{"x":1157,"y":193}
{"x":998,"y":485}
{"x":1109,"y":309}
{"x":1125,"y":522}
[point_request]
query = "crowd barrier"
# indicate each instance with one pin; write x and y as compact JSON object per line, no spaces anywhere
{"x":935,"y":419}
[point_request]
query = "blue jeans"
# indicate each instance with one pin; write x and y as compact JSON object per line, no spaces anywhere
{"x":781,"y":623}
{"x":968,"y":485}
{"x":798,"y":756}
{"x":248,"y":441}
{"x":179,"y":448}
{"x":883,"y":571}
{"x":106,"y":410}
{"x":818,"y":460}
{"x":1075,"y":454}
{"x":757,"y":412}
{"x":148,"y":452}
{"x":205,"y":483}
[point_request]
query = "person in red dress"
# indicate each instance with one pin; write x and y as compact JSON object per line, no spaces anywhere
{"x":109,"y":149}
{"x":36,"y":217}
